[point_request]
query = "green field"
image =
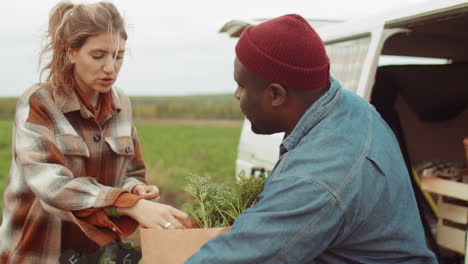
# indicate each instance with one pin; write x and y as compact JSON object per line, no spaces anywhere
{"x":172,"y":153}
{"x":5,"y":154}
{"x":211,"y":106}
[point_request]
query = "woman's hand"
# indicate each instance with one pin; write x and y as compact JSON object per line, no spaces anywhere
{"x":156,"y":215}
{"x":147,"y":192}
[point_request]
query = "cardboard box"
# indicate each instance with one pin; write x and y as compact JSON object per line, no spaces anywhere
{"x":174,"y":246}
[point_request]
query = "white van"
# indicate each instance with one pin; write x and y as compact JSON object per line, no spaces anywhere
{"x":412,"y":65}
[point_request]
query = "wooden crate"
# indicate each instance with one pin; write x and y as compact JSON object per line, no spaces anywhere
{"x":452,"y":225}
{"x":450,"y":215}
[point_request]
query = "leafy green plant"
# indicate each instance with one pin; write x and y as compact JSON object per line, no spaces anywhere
{"x":218,"y":205}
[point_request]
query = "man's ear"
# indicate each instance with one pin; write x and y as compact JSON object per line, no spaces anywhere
{"x":278,"y":94}
{"x":71,"y":55}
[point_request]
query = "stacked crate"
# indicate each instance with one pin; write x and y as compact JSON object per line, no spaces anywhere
{"x":452,"y":226}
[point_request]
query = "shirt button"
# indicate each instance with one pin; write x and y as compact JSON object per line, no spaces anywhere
{"x":127,"y":149}
{"x":97,"y":138}
{"x":114,"y":229}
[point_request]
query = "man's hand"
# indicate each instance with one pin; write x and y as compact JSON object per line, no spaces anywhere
{"x":147,"y":192}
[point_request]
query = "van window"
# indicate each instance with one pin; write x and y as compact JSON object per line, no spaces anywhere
{"x":347,"y":59}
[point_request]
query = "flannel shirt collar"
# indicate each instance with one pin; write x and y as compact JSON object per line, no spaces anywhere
{"x":70,"y":102}
{"x":116,"y":105}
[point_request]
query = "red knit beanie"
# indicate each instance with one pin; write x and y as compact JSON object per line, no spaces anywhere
{"x":285,"y":50}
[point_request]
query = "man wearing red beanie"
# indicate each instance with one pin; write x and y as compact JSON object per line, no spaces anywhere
{"x":340,"y":192}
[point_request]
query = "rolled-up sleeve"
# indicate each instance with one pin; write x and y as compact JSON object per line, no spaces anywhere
{"x":295,"y":218}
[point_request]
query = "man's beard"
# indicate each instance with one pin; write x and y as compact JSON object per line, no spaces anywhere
{"x":258,"y":131}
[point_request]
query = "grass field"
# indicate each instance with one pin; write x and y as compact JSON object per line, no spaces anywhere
{"x":210,"y":106}
{"x":172,"y":153}
{"x":5,"y":155}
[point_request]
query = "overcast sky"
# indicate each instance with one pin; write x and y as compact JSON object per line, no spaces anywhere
{"x":174,"y":47}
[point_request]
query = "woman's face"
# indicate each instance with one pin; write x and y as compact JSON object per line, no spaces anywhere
{"x":97,"y":63}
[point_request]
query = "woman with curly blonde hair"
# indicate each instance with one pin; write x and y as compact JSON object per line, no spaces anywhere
{"x":77,"y":177}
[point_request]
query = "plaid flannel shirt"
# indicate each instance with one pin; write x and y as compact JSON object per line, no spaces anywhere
{"x":65,"y":164}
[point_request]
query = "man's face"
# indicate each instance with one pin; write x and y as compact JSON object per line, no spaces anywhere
{"x":253,"y":98}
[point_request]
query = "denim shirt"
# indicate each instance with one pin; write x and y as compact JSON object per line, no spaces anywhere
{"x":340,"y":193}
